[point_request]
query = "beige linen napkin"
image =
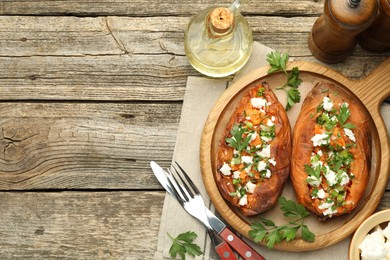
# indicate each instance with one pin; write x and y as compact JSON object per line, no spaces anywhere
{"x":200,"y":96}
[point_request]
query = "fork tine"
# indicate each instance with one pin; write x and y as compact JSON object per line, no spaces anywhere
{"x":192,"y":184}
{"x":179,"y":190}
{"x":186,"y":188}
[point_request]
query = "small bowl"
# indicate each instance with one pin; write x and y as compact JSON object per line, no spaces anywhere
{"x":368,"y":225}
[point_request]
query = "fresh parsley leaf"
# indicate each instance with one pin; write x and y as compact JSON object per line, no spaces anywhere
{"x":289,"y":233}
{"x":349,"y":126}
{"x":268,"y":222}
{"x":260,"y":92}
{"x":278,"y":62}
{"x":182,"y":245}
{"x":294,"y":80}
{"x":293,"y":96}
{"x":266,"y":230}
{"x":291,"y":208}
{"x":344,"y":114}
{"x":307,"y":235}
{"x":237,"y":141}
{"x":257,"y":232}
{"x":273,"y":238}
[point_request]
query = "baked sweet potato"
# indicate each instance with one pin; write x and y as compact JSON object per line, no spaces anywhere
{"x":253,"y":157}
{"x":331,"y":152}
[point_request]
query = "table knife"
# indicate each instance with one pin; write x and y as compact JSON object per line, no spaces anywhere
{"x":239,"y":245}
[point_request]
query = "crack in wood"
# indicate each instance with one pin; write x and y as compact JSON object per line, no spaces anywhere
{"x":7,"y":142}
{"x":121,"y":46}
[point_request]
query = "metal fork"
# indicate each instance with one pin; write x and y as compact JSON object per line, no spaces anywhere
{"x":193,"y":203}
{"x":190,"y":198}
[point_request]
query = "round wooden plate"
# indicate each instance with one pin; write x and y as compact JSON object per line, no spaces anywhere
{"x":368,"y":92}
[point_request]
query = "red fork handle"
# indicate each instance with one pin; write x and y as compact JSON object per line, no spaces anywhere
{"x":239,"y":245}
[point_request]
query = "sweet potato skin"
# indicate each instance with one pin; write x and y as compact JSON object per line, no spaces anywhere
{"x":267,"y":193}
{"x":303,"y":148}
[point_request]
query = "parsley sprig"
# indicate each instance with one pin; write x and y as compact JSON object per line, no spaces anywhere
{"x":268,"y":231}
{"x":237,"y":141}
{"x":183,"y":245}
{"x":278,"y":62}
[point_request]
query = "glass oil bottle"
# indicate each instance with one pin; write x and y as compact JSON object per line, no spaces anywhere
{"x":218,"y":41}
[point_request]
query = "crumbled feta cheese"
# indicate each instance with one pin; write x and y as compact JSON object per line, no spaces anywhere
{"x":273,"y":118}
{"x":373,"y":246}
{"x":253,"y":136}
{"x":236,"y":174}
{"x":386,"y":232}
{"x":258,"y":102}
{"x":320,"y":153}
{"x":328,"y":104}
{"x":248,"y":118}
{"x":236,"y":152}
{"x":225,"y":169}
{"x":314,"y":181}
{"x":330,"y":176}
{"x":247,"y":159}
{"x":348,"y":132}
{"x":261,"y":166}
{"x":250,"y":187}
{"x":243,"y":200}
{"x":387,"y":248}
{"x":326,"y":205}
{"x":265,"y":152}
{"x":265,"y":138}
{"x":344,"y":179}
{"x":329,"y":211}
{"x":270,"y":123}
{"x":268,"y":174}
{"x":320,"y":139}
{"x":315,"y":160}
{"x":272,"y":161}
{"x":321,"y":194}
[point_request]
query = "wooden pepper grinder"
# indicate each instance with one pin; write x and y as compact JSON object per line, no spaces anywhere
{"x":376,"y":38}
{"x":334,"y":34}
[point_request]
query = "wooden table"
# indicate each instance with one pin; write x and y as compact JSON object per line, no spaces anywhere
{"x":90,"y":92}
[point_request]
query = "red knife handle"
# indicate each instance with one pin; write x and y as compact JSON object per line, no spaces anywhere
{"x":225,"y":252}
{"x":242,"y":248}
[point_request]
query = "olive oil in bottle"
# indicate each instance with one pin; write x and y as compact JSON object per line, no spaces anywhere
{"x":218,"y":41}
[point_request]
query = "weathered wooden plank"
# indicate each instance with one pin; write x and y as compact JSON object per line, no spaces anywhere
{"x":25,"y":36}
{"x":84,"y":225}
{"x":154,"y":7}
{"x":61,"y":145}
{"x":136,"y":77}
{"x":75,"y":36}
{"x":129,"y":59}
{"x":84,"y":145}
{"x":80,"y":225}
{"x":126,"y":78}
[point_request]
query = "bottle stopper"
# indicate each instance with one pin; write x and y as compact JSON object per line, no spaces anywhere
{"x":221,"y":19}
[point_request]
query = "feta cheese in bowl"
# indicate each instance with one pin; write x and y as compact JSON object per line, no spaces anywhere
{"x":371,"y":240}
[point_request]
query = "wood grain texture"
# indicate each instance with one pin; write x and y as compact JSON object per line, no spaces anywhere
{"x":79,"y":225}
{"x":90,"y":92}
{"x":122,"y":58}
{"x":84,"y":145}
{"x":154,"y":7}
{"x":370,"y":91}
{"x":87,"y":225}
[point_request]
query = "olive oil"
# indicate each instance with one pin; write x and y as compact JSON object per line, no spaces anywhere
{"x":218,"y":41}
